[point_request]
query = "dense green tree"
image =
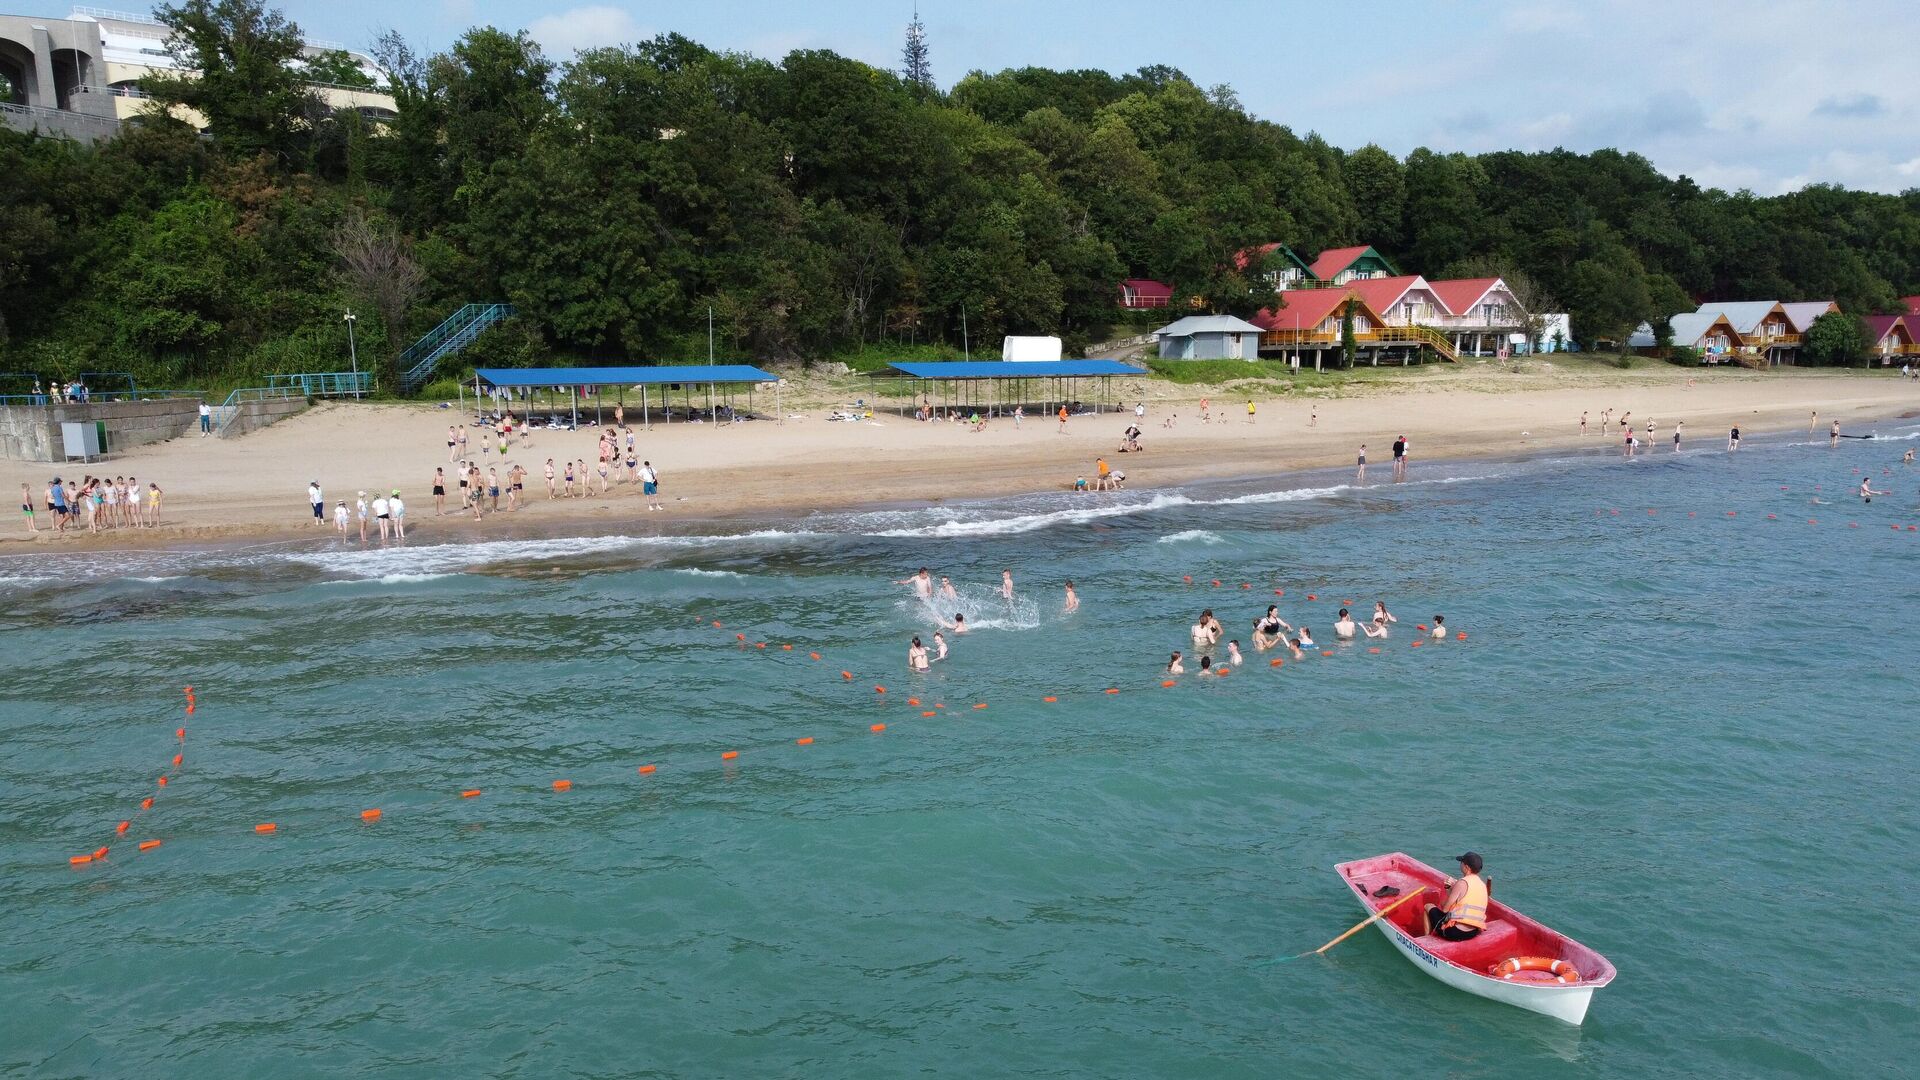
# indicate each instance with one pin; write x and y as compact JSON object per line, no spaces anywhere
{"x":1837,"y":338}
{"x":238,"y":70}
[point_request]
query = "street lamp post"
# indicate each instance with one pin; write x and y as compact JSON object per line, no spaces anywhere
{"x":353,"y":352}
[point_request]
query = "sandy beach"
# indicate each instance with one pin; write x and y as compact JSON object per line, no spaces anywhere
{"x":254,"y":486}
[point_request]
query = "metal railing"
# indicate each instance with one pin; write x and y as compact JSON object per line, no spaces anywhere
{"x":459,"y":330}
{"x":1138,"y":302}
{"x":62,"y":115}
{"x":324,"y":383}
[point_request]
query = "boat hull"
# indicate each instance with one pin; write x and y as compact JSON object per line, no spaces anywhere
{"x":1568,"y":1003}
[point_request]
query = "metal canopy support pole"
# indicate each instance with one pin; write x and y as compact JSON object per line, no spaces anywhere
{"x":710,"y":416}
{"x":646,"y":413}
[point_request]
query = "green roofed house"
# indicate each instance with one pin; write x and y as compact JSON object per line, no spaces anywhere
{"x":1337,"y":266}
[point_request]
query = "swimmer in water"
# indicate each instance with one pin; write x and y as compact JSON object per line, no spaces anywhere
{"x":1268,"y":628}
{"x":1380,"y":612}
{"x":1907,"y":458}
{"x":1073,"y":599}
{"x":1306,"y":637}
{"x":1174,"y":666}
{"x":1206,"y":665}
{"x":1006,"y":586}
{"x":1344,"y":626}
{"x":1233,"y":653}
{"x":947,"y":591}
{"x":1377,"y":628}
{"x":1202,"y":634}
{"x":940,"y":646}
{"x":917,"y":656}
{"x":1293,"y":645}
{"x":1866,"y":490}
{"x":1213,"y":624}
{"x":922,"y":583}
{"x":959,"y":625}
{"x":1439,"y":627}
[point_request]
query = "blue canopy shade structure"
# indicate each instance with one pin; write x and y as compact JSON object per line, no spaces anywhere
{"x":1003,"y":369}
{"x":997,"y":387}
{"x":656,"y":384}
{"x":623,"y":376}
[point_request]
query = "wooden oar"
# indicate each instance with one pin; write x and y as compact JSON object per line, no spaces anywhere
{"x":1361,"y":925}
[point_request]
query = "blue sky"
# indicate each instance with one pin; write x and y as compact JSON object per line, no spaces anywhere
{"x":1765,"y":95}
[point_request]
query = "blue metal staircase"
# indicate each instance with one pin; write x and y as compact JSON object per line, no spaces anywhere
{"x":419,"y":359}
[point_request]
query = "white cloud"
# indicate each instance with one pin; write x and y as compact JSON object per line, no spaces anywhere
{"x":593,"y":27}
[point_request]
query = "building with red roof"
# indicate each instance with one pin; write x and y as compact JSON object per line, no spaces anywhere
{"x":1313,"y":321}
{"x":1337,"y":266}
{"x":1145,"y":293}
{"x":1403,"y":300}
{"x":1893,"y":337}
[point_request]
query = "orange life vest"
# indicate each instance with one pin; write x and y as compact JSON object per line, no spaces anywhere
{"x":1471,"y":909}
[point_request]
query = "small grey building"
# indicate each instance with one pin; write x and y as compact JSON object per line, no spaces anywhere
{"x":1209,"y":337}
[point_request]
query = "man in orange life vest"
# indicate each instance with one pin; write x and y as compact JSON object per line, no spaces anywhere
{"x":1464,"y":914}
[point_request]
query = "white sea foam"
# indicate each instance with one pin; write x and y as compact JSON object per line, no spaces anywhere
{"x":440,"y":559}
{"x":1192,"y":536}
{"x":694,"y":571}
{"x":1024,"y":523}
{"x":1290,"y":495}
{"x":158,"y":580}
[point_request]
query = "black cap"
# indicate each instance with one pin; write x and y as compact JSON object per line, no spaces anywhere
{"x":1471,"y":861}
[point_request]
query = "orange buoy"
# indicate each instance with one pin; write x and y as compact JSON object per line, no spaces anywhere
{"x":179,"y":733}
{"x":1049,"y":699}
{"x":470,"y":793}
{"x":149,"y":845}
{"x":913,"y":701}
{"x":937,"y":705}
{"x":1461,"y":636}
{"x":1188,"y":578}
{"x":729,"y":755}
{"x":879,"y":689}
{"x":1326,"y":652}
{"x":1419,"y":626}
{"x":122,"y":827}
{"x":370,"y":815}
{"x":563,"y":785}
{"x":786,"y":648}
{"x":1216,"y":583}
{"x":759,"y":644}
{"x":1310,"y":596}
{"x":980,"y":705}
{"x":146,"y":803}
{"x":1346,"y":603}
{"x":1169,"y":682}
{"x":929,"y":712}
{"x":265,"y":826}
{"x":163,"y":781}
{"x":1375,"y":649}
{"x":1733,"y":513}
{"x":80,"y":860}
{"x":189,"y":708}
{"x":100,"y":854}
{"x":739,"y":637}
{"x":1773,"y":517}
{"x":1417,"y":644}
{"x":813,"y":656}
{"x":847,"y":675}
{"x":1223,"y":671}
{"x":1113,"y":689}
{"x":716,"y":624}
{"x":645,"y":769}
{"x":877,"y":727}
{"x":808,"y":741}
{"x":1811,"y":521}
{"x":1244,"y":585}
{"x":177,"y":758}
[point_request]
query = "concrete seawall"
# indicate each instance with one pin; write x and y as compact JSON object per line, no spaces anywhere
{"x":33,"y":433}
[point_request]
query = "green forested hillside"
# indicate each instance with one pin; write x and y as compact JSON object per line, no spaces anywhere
{"x":814,"y":203}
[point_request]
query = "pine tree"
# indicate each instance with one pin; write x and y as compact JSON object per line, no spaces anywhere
{"x":919,"y":70}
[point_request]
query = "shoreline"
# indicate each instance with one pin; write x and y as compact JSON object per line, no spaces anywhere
{"x":787,"y":469}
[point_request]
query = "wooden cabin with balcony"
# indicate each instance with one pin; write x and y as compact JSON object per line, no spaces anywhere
{"x":1892,"y":338}
{"x":1309,"y":324}
{"x":1765,"y":330}
{"x":1480,"y":314}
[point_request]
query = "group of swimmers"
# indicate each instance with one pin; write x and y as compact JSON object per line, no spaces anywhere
{"x":1271,"y":631}
{"x":101,"y":502}
{"x":918,"y":655}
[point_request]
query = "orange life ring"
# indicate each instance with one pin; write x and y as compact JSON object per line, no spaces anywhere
{"x":1559,"y":969}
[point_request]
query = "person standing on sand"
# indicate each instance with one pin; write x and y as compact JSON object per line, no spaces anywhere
{"x":1733,"y":438}
{"x":1249,"y":410}
{"x":463,"y":444}
{"x":206,"y":419}
{"x":153,"y":504}
{"x":1140,"y":412}
{"x":1583,"y":422}
{"x":1400,"y":455}
{"x":1063,"y":419}
{"x":26,"y":506}
{"x":318,"y":502}
{"x":1833,"y":435}
{"x":439,"y":491}
{"x":516,"y":483}
{"x":383,"y":514}
{"x":1313,"y":417}
{"x":451,"y":440}
{"x":1073,"y":600}
{"x":493,"y":490}
{"x":650,"y":487}
{"x":1677,"y":425}
{"x":340,"y":517}
{"x":473,"y":485}
{"x":360,"y":511}
{"x":1204,"y":403}
{"x":398,"y":511}
{"x":1363,"y":461}
{"x":1813,"y":421}
{"x":1019,"y":414}
{"x":549,"y":472}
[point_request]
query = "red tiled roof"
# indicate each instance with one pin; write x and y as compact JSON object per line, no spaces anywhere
{"x":1461,"y":294}
{"x":1148,"y":287}
{"x":1306,"y":309}
{"x":1382,"y":293}
{"x":1332,"y":262}
{"x":1879,"y":326}
{"x":1246,"y":256}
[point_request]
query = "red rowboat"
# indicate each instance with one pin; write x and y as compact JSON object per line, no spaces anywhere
{"x":1514,"y":960}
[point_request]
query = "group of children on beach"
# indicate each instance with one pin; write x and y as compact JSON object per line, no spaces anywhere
{"x":97,"y":501}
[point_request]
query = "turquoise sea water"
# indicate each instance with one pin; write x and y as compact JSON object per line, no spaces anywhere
{"x":1682,"y":737}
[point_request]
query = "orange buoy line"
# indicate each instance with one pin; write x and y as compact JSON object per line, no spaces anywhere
{"x":122,"y":827}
